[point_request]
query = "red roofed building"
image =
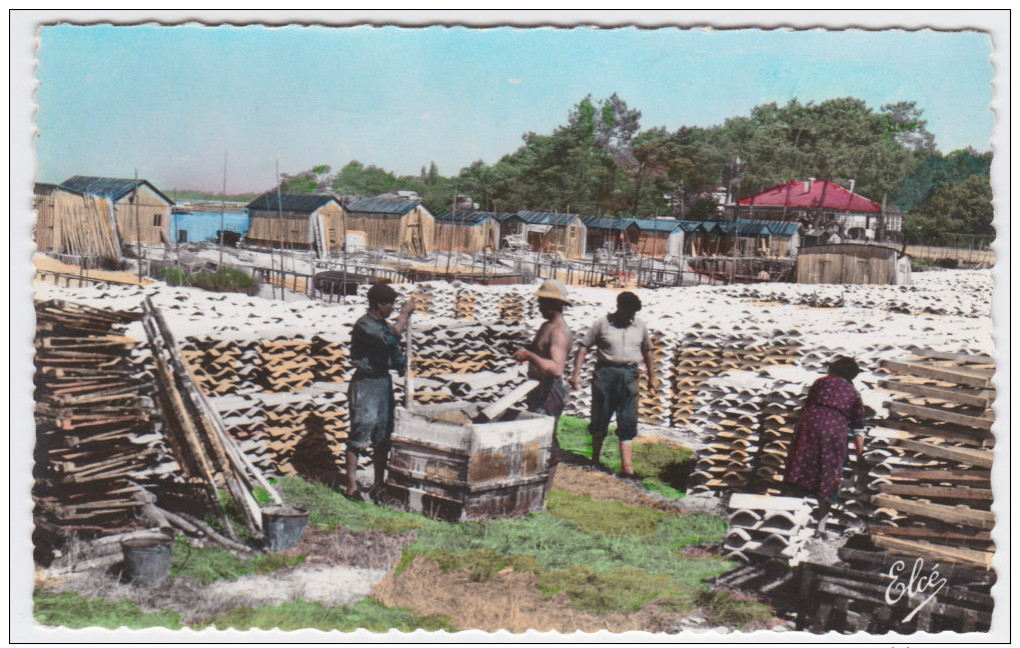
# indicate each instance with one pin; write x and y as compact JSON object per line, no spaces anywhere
{"x":824,"y":208}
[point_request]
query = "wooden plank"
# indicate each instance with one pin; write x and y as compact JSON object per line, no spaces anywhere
{"x":941,"y":492}
{"x":941,"y":512}
{"x":955,"y":434}
{"x":938,"y":414}
{"x":979,"y":458}
{"x":956,"y":376}
{"x":931,"y":551}
{"x":972,"y":477}
{"x":506,"y":402}
{"x":930,"y":534}
{"x":982,"y":398}
{"x":977,"y":358}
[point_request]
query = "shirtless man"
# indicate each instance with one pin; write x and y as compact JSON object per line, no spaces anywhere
{"x":547,"y":355}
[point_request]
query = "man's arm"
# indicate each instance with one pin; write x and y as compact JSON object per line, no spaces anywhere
{"x":575,"y":377}
{"x":653,"y":381}
{"x":553,"y":366}
{"x":405,"y":313}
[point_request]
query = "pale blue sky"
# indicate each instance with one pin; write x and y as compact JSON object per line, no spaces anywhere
{"x":169,"y":101}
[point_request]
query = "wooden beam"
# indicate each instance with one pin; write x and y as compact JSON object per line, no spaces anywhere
{"x":931,"y":534}
{"x":976,"y":398}
{"x":983,"y":477}
{"x":931,"y":551}
{"x":506,"y":402}
{"x":941,"y":492}
{"x":949,"y":514}
{"x":956,"y":376}
{"x":958,"y":435}
{"x":978,"y":358}
{"x":938,"y":414}
{"x":979,"y":458}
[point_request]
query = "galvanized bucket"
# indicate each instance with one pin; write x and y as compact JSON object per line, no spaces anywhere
{"x":147,"y":559}
{"x":284,"y":526}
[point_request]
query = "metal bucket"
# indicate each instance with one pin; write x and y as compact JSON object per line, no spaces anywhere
{"x":284,"y":526}
{"x":147,"y":559}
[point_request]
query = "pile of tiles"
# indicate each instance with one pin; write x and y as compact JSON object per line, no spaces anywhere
{"x":927,"y":294}
{"x":762,"y":526}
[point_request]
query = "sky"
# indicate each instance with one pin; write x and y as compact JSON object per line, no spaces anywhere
{"x":175,"y":104}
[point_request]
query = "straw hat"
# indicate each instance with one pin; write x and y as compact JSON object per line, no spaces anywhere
{"x":553,"y":289}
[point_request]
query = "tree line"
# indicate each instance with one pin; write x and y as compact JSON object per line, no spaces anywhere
{"x":601,"y":162}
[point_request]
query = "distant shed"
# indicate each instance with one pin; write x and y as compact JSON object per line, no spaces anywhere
{"x":393,"y":224}
{"x":141,"y":211}
{"x":853,"y":263}
{"x":604,"y":232}
{"x":653,"y":237}
{"x":70,"y":222}
{"x":549,"y":233}
{"x":467,"y":231}
{"x":297,"y":222}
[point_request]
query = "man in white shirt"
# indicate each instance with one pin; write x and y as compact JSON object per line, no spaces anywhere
{"x":621,"y":342}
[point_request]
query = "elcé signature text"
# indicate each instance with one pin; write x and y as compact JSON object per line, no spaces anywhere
{"x":914,"y":586}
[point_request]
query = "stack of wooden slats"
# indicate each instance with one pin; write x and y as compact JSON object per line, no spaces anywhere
{"x":97,"y":442}
{"x":938,"y":480}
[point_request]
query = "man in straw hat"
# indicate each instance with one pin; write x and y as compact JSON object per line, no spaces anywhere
{"x":547,"y":354}
{"x":621,"y":342}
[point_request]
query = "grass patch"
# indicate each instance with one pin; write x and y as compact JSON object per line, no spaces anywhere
{"x":298,"y":615}
{"x":620,"y":590}
{"x":328,"y":508}
{"x":611,"y":519}
{"x":75,"y":611}
{"x":482,"y":563}
{"x":663,"y":467}
{"x":213,"y":563}
{"x":722,"y":608}
{"x":554,"y":543}
{"x":223,"y":280}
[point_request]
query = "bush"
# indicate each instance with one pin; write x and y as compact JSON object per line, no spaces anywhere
{"x":223,"y":280}
{"x":173,"y":277}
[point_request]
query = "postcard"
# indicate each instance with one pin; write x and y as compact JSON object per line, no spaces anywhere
{"x":623,"y":326}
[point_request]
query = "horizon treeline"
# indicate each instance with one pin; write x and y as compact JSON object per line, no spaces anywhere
{"x":602,"y":163}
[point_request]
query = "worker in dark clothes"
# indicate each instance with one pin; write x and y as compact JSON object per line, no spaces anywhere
{"x":375,"y":351}
{"x":819,"y":448}
{"x":547,"y":355}
{"x":621,"y":342}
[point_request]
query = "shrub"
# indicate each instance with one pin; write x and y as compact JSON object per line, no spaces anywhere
{"x":173,"y":277}
{"x":223,"y":280}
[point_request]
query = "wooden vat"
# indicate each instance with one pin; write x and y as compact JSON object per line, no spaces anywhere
{"x":470,"y":471}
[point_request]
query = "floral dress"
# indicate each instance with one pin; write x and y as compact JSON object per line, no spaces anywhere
{"x":818,"y":452}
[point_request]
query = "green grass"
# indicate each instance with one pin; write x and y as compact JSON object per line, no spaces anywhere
{"x":212,"y":563}
{"x":587,"y":562}
{"x":328,"y":508}
{"x":611,"y":519}
{"x":299,"y":615}
{"x":74,"y":611}
{"x":662,"y":468}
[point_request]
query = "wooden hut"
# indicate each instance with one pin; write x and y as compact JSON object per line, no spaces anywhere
{"x":297,"y":222}
{"x":654,"y":237}
{"x":141,"y":212}
{"x":853,"y":263}
{"x":742,"y":238}
{"x":549,"y":233}
{"x":605,"y":232}
{"x":467,"y":231}
{"x":70,"y":222}
{"x":393,"y":224}
{"x":824,"y":208}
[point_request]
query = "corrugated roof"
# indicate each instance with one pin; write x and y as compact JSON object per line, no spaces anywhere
{"x":308,"y":203}
{"x":463,"y":217}
{"x":606,"y":223}
{"x":656,"y":225}
{"x":113,"y":188}
{"x":545,"y":218}
{"x":382,"y":206}
{"x":815,"y":194}
{"x":785,"y":230}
